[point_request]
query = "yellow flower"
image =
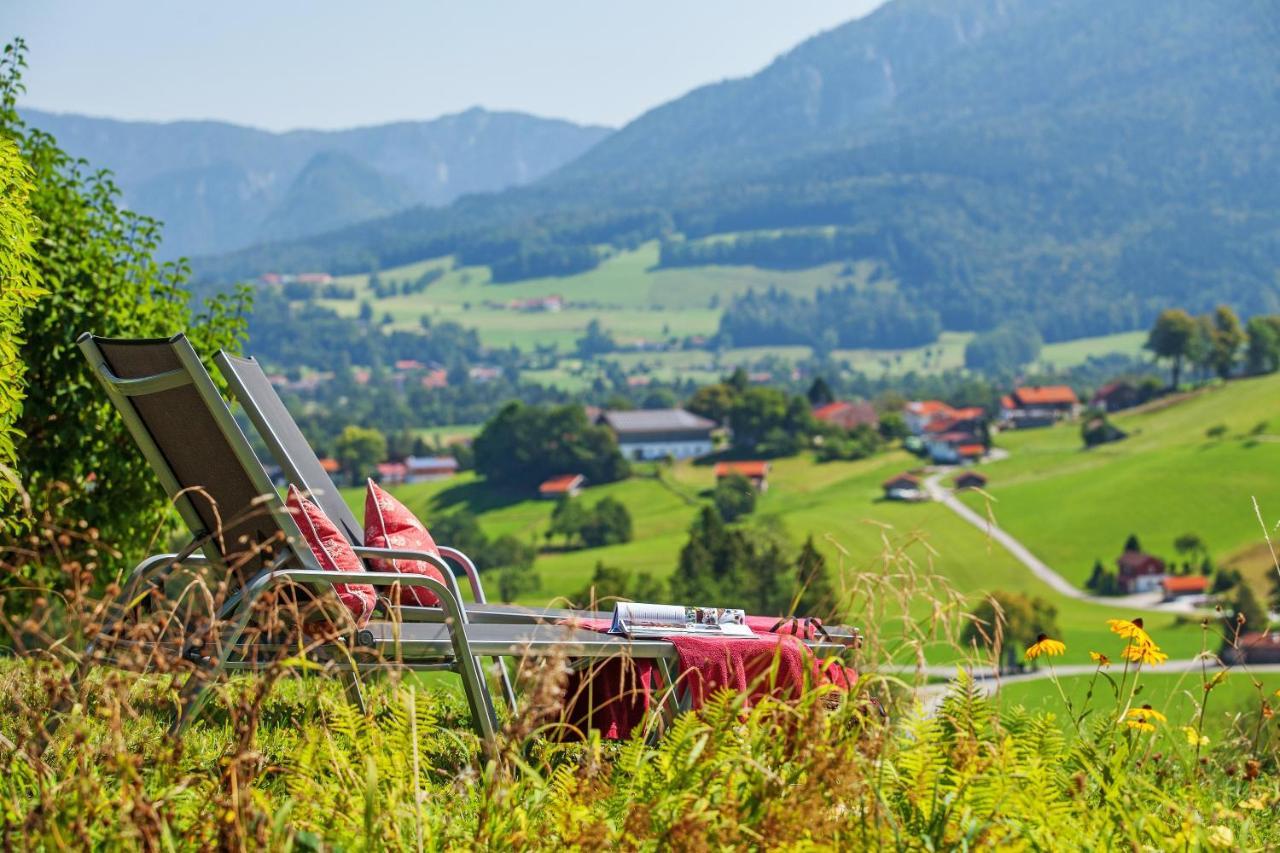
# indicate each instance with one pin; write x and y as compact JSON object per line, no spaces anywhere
{"x":1044,"y":646}
{"x":1144,"y":652}
{"x":1194,"y":738}
{"x":1099,"y":658}
{"x":1220,"y":836}
{"x":1253,"y":803}
{"x":1129,"y":629}
{"x":1144,"y":718}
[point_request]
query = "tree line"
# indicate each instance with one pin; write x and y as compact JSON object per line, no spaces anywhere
{"x":836,"y":317}
{"x":1215,"y":343}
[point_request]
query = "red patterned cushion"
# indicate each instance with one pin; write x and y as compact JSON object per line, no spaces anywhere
{"x":389,"y":524}
{"x":334,"y":553}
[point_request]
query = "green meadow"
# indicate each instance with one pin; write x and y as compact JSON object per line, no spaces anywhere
{"x":1169,"y":477}
{"x":838,"y":503}
{"x":1176,"y":695}
{"x":636,"y":301}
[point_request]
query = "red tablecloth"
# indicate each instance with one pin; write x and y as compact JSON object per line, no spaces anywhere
{"x":614,"y":695}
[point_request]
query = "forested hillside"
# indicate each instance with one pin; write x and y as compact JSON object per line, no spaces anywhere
{"x":1079,"y":163}
{"x":220,"y":186}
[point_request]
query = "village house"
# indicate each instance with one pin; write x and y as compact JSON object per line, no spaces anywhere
{"x":954,"y":448}
{"x":391,"y":473}
{"x":421,"y":469}
{"x":904,"y":487}
{"x":562,"y":486}
{"x":756,"y":472}
{"x":1139,"y":572}
{"x":1037,"y":406}
{"x":918,"y":414}
{"x":1183,"y":586}
{"x":1115,"y":397}
{"x":847,"y":415}
{"x":659,"y":433}
{"x":1254,"y":647}
{"x":970,"y":480}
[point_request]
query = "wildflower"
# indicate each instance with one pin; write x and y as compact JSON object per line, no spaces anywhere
{"x":1221,"y":836}
{"x":1144,"y":652}
{"x":1143,"y":719}
{"x":1044,"y":646}
{"x":1254,"y":803}
{"x":1129,"y":629}
{"x":1194,"y":738}
{"x":1099,"y":658}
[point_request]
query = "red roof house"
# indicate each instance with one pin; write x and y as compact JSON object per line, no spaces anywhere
{"x":756,"y":472}
{"x":562,"y":486}
{"x":1139,"y":572}
{"x":904,"y":487}
{"x":970,"y":480}
{"x":1178,"y":586}
{"x":847,"y":415}
{"x":1254,"y":647}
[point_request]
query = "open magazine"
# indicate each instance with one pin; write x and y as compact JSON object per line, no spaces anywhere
{"x":661,"y":620}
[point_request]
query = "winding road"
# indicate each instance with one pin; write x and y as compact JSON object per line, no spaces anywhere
{"x":1149,"y":601}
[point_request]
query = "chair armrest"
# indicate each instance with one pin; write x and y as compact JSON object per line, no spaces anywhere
{"x":365,"y":552}
{"x":451,"y":604}
{"x":468,"y":566}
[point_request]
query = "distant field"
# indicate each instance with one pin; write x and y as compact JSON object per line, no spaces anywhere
{"x":1072,"y":506}
{"x":1175,"y":695}
{"x":1072,"y":353}
{"x":638,"y":302}
{"x":837,"y":503}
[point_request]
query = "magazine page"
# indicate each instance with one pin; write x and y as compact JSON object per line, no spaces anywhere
{"x":659,"y":620}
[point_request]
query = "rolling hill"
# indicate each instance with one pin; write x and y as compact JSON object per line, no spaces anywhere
{"x":1083,"y":164}
{"x":220,"y":186}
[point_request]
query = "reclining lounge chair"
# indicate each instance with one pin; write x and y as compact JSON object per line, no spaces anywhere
{"x":245,"y":544}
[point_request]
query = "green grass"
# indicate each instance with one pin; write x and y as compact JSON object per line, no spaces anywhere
{"x":1073,"y":353}
{"x":1072,"y":506}
{"x":1176,"y":695}
{"x":636,"y":301}
{"x":836,"y":503}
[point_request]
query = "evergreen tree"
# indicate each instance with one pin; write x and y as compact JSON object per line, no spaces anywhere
{"x":819,"y":393}
{"x":1132,"y":544}
{"x":1246,"y":604}
{"x":818,"y":596}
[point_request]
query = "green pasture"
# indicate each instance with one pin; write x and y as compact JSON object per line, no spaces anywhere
{"x":1176,"y":695}
{"x":839,"y":504}
{"x":1072,"y":506}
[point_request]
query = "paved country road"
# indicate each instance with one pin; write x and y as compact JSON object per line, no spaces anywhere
{"x":1143,"y":601}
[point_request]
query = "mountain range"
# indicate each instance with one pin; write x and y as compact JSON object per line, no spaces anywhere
{"x":1078,"y":163}
{"x":219,"y":186}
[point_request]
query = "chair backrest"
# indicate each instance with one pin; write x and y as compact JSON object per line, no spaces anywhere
{"x":206,"y":465}
{"x":285,"y":441}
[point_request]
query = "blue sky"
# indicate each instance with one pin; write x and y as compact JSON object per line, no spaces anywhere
{"x":283,"y":64}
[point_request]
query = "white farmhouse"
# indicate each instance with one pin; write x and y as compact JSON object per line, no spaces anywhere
{"x":659,"y":433}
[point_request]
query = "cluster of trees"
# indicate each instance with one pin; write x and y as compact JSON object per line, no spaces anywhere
{"x":838,"y":317}
{"x":596,"y":341}
{"x":523,"y":445}
{"x":383,"y":289}
{"x":506,"y":557}
{"x":538,"y":260}
{"x":1213,"y":342}
{"x":1004,"y":349}
{"x":330,"y":341}
{"x":752,"y":568}
{"x":1006,"y":623}
{"x":765,"y":421}
{"x":859,"y":442}
{"x":606,"y":523}
{"x":734,"y":496}
{"x":97,"y":263}
{"x":302,"y":291}
{"x":749,"y":568}
{"x":785,"y":251}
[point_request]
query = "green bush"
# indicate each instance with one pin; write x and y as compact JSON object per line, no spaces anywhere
{"x":74,"y":456}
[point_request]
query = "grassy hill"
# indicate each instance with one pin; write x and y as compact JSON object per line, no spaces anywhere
{"x":1072,"y":506}
{"x":837,"y":503}
{"x":637,"y":301}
